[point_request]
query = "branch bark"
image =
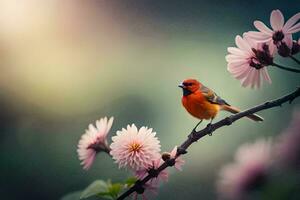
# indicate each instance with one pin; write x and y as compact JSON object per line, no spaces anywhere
{"x":194,"y":136}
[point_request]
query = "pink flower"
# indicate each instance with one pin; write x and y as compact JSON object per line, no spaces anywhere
{"x":288,"y":145}
{"x":252,"y":162}
{"x":94,"y":141}
{"x":152,"y":185}
{"x":150,"y":190}
{"x":247,"y":62}
{"x":179,"y":162}
{"x":135,"y":149}
{"x":280,"y":32}
{"x":162,"y":176}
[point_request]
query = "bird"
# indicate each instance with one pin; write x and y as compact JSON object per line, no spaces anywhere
{"x":204,"y":104}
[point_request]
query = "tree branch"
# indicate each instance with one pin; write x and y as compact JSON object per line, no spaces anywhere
{"x":196,"y":135}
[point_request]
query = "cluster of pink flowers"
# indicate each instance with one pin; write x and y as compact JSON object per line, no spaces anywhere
{"x":135,"y":149}
{"x":252,"y":163}
{"x":256,"y":49}
{"x":288,"y":144}
{"x":255,"y":162}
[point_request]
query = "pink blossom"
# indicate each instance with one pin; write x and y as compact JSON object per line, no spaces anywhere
{"x":288,"y":146}
{"x":247,"y":62}
{"x":162,"y":176}
{"x":150,"y":190}
{"x":179,"y":162}
{"x":280,"y":33}
{"x":94,"y":141}
{"x":135,"y":149}
{"x":252,"y":162}
{"x":152,"y":185}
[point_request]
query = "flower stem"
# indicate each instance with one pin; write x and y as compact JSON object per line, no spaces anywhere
{"x":295,"y":59}
{"x":286,"y":68}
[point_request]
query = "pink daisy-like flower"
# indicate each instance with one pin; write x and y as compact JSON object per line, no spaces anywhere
{"x":135,"y":149}
{"x":179,"y":162}
{"x":280,"y":33}
{"x":288,"y":146}
{"x":247,"y":62}
{"x":94,"y":141}
{"x":252,"y":162}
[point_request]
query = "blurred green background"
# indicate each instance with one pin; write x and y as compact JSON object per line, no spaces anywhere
{"x":66,"y":63}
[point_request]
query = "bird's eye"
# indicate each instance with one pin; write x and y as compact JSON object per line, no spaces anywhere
{"x":187,"y":84}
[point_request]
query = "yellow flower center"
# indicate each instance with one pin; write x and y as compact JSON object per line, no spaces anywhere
{"x":135,"y":147}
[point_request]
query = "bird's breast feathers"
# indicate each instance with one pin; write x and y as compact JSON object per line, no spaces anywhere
{"x":198,"y":106}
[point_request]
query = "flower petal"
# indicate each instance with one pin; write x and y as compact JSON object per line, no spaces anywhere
{"x":244,"y":73}
{"x":294,"y":29}
{"x":238,"y":64}
{"x":262,"y":27}
{"x":276,"y":20}
{"x":291,"y":22}
{"x":242,"y":44}
{"x":258,"y":81}
{"x":272,"y":48}
{"x":258,"y":36}
{"x":236,"y":51}
{"x":252,"y":43}
{"x":234,"y":58}
{"x":173,"y":152}
{"x":265,"y":75}
{"x":247,"y":80}
{"x":288,"y":39}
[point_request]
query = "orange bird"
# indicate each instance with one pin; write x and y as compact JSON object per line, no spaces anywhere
{"x":204,"y":103}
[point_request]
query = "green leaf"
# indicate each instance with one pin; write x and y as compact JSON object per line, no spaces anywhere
{"x":112,"y":192}
{"x":95,"y":188}
{"x":115,"y":189}
{"x":72,"y":196}
{"x":130,"y":182}
{"x":102,"y":190}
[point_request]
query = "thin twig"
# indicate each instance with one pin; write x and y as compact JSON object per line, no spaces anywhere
{"x":295,"y":59}
{"x":196,"y":135}
{"x":286,"y":68}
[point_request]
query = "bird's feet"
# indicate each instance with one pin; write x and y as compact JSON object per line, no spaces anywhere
{"x":195,"y":129}
{"x":209,"y":129}
{"x":194,"y":132}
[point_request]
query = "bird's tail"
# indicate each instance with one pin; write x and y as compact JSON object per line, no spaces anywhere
{"x":235,"y":110}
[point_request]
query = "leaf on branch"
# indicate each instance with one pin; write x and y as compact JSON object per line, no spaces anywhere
{"x":102,"y":190}
{"x":113,"y":191}
{"x":130,"y":181}
{"x":94,"y":189}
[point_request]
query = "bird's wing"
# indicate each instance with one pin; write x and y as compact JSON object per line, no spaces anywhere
{"x":211,"y":96}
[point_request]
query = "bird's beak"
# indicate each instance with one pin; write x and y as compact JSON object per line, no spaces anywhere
{"x":181,"y":85}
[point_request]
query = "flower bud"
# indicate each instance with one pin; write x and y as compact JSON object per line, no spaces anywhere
{"x":165,"y":156}
{"x":263,"y":57}
{"x":295,"y":48}
{"x":283,"y":50}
